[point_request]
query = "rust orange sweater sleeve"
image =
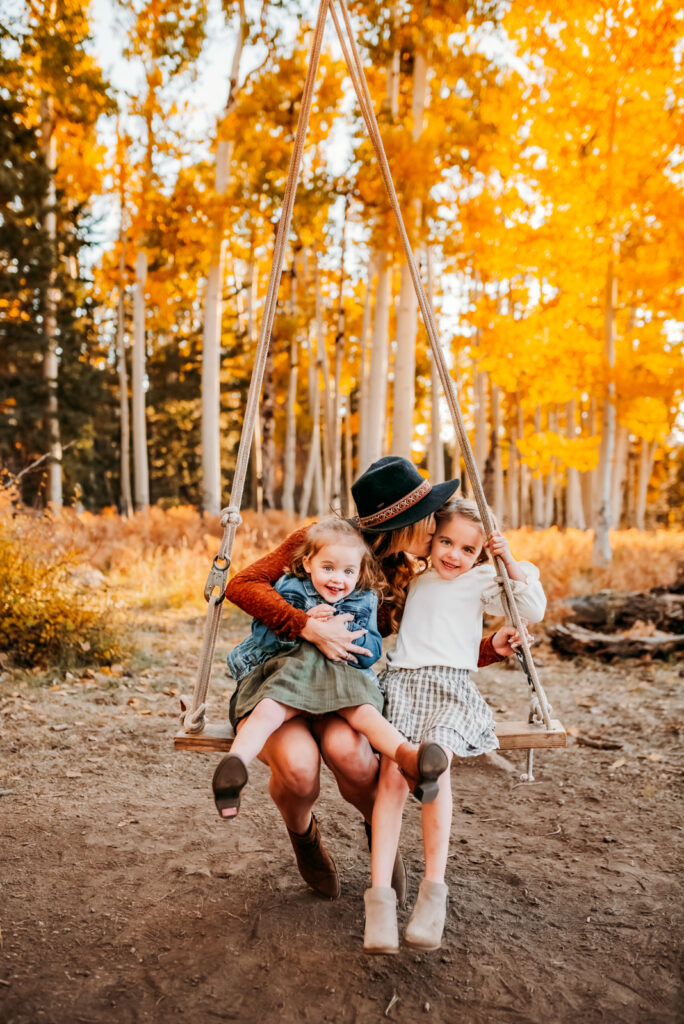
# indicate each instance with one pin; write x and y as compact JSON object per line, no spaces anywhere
{"x":252,"y":589}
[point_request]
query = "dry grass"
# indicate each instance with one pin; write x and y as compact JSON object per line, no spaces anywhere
{"x":159,"y":560}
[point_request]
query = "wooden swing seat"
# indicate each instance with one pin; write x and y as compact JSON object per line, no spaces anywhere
{"x":511,"y":736}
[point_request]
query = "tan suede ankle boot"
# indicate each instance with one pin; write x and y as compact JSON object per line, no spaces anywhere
{"x":381,"y":934}
{"x":425,"y":927}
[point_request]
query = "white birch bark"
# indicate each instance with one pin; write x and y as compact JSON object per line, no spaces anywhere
{"x":336,"y":489}
{"x":646,"y":457}
{"x":498,"y":491}
{"x":326,"y":395}
{"x":52,"y":296}
{"x":348,"y":455}
{"x":211,"y":345}
{"x":289,"y":460}
{"x":537,"y":484}
{"x":618,"y":473}
{"x":251,"y":292}
{"x":140,"y":467}
{"x":314,"y":456}
{"x":125,"y":453}
{"x":524,"y":475}
{"x":588,"y":479}
{"x":512,"y":479}
{"x":602,"y":553}
{"x":574,"y":512}
{"x":480,"y":402}
{"x":379,"y":362}
{"x":436,"y":471}
{"x":364,"y":371}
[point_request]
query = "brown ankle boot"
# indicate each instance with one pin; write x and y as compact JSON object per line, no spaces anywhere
{"x":422,"y":767}
{"x":315,"y":864}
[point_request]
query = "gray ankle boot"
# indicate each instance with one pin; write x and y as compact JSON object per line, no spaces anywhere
{"x":425,"y":927}
{"x":381,"y":934}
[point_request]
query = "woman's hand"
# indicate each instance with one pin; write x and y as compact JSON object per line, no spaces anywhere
{"x":323,"y":612}
{"x":333,"y":639}
{"x":506,"y":640}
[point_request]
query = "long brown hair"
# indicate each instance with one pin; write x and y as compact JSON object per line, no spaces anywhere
{"x":397,"y":568}
{"x":338,"y":531}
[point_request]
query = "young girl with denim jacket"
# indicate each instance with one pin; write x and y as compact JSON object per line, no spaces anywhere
{"x":332,"y":573}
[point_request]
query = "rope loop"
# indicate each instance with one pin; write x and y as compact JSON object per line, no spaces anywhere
{"x":192,"y":721}
{"x":230,"y":516}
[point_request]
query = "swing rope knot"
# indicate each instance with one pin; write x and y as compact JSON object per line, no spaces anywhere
{"x":230,"y":516}
{"x":192,"y":721}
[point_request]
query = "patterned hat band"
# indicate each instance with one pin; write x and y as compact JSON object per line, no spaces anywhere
{"x":408,"y":501}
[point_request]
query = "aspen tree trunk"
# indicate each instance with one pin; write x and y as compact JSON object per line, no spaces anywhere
{"x":268,"y":431}
{"x":498,"y":488}
{"x":550,"y":481}
{"x":336,"y":490}
{"x":513,"y":477}
{"x":619,"y":472}
{"x":314,"y":458}
{"x":364,"y":375}
{"x":574,"y":512}
{"x":379,"y":363}
{"x":140,"y":469}
{"x":289,"y":467}
{"x":255,"y":454}
{"x":348,"y":475}
{"x":588,"y":478}
{"x":436,"y":470}
{"x":407,"y":314}
{"x":52,"y":297}
{"x":525,"y":511}
{"x":537,"y":483}
{"x":480,"y":400}
{"x":125,"y":463}
{"x":326,"y":394}
{"x":211,"y":346}
{"x":602,"y":554}
{"x":646,"y":457}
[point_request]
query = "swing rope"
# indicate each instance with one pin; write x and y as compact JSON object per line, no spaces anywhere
{"x":193,"y":715}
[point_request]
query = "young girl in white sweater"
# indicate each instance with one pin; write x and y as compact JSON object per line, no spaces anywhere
{"x":429,"y":696}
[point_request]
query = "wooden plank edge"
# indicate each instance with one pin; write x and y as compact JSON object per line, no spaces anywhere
{"x":511,"y":736}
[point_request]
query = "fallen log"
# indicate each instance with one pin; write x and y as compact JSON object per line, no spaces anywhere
{"x":572,"y":639}
{"x":611,"y":611}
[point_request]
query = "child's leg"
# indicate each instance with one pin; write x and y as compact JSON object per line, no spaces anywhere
{"x":259,"y":725}
{"x":437,"y":829}
{"x":387,"y":813}
{"x":422,"y":765}
{"x":425,"y":927}
{"x":381,"y":934}
{"x":369,"y":721}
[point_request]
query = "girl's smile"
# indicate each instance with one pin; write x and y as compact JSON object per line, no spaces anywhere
{"x":456,"y":546}
{"x":334,"y":570}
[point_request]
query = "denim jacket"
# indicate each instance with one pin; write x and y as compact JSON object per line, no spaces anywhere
{"x":263,"y":643}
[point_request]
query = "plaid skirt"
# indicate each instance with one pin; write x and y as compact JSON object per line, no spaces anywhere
{"x":441,"y":704}
{"x":305,"y":679}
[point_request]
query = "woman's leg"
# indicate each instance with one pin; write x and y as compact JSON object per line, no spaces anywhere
{"x":294,"y":759}
{"x":350,"y":758}
{"x":255,"y":729}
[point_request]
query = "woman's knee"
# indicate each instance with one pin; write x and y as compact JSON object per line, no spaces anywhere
{"x":294,"y":759}
{"x":347,"y":753}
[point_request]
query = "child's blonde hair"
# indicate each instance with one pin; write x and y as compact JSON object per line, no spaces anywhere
{"x":466,"y":509}
{"x":337,"y":531}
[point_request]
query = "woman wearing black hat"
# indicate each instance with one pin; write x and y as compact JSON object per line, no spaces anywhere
{"x":396,"y":507}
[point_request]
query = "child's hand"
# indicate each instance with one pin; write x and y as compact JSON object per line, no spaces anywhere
{"x":506,"y":640}
{"x":321,"y":611}
{"x":498,"y":545}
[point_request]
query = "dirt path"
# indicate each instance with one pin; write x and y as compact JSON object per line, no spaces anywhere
{"x":124,"y":898}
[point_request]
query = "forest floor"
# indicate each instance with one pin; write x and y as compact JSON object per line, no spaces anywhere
{"x":125,"y":898}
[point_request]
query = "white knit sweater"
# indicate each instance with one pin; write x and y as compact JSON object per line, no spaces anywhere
{"x":442,"y":620}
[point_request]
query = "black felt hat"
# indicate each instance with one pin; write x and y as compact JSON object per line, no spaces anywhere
{"x":392,"y":494}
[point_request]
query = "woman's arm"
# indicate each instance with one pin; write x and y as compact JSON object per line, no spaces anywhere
{"x":252,"y":590}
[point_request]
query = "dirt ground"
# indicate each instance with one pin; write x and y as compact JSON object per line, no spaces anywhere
{"x":125,"y":898}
